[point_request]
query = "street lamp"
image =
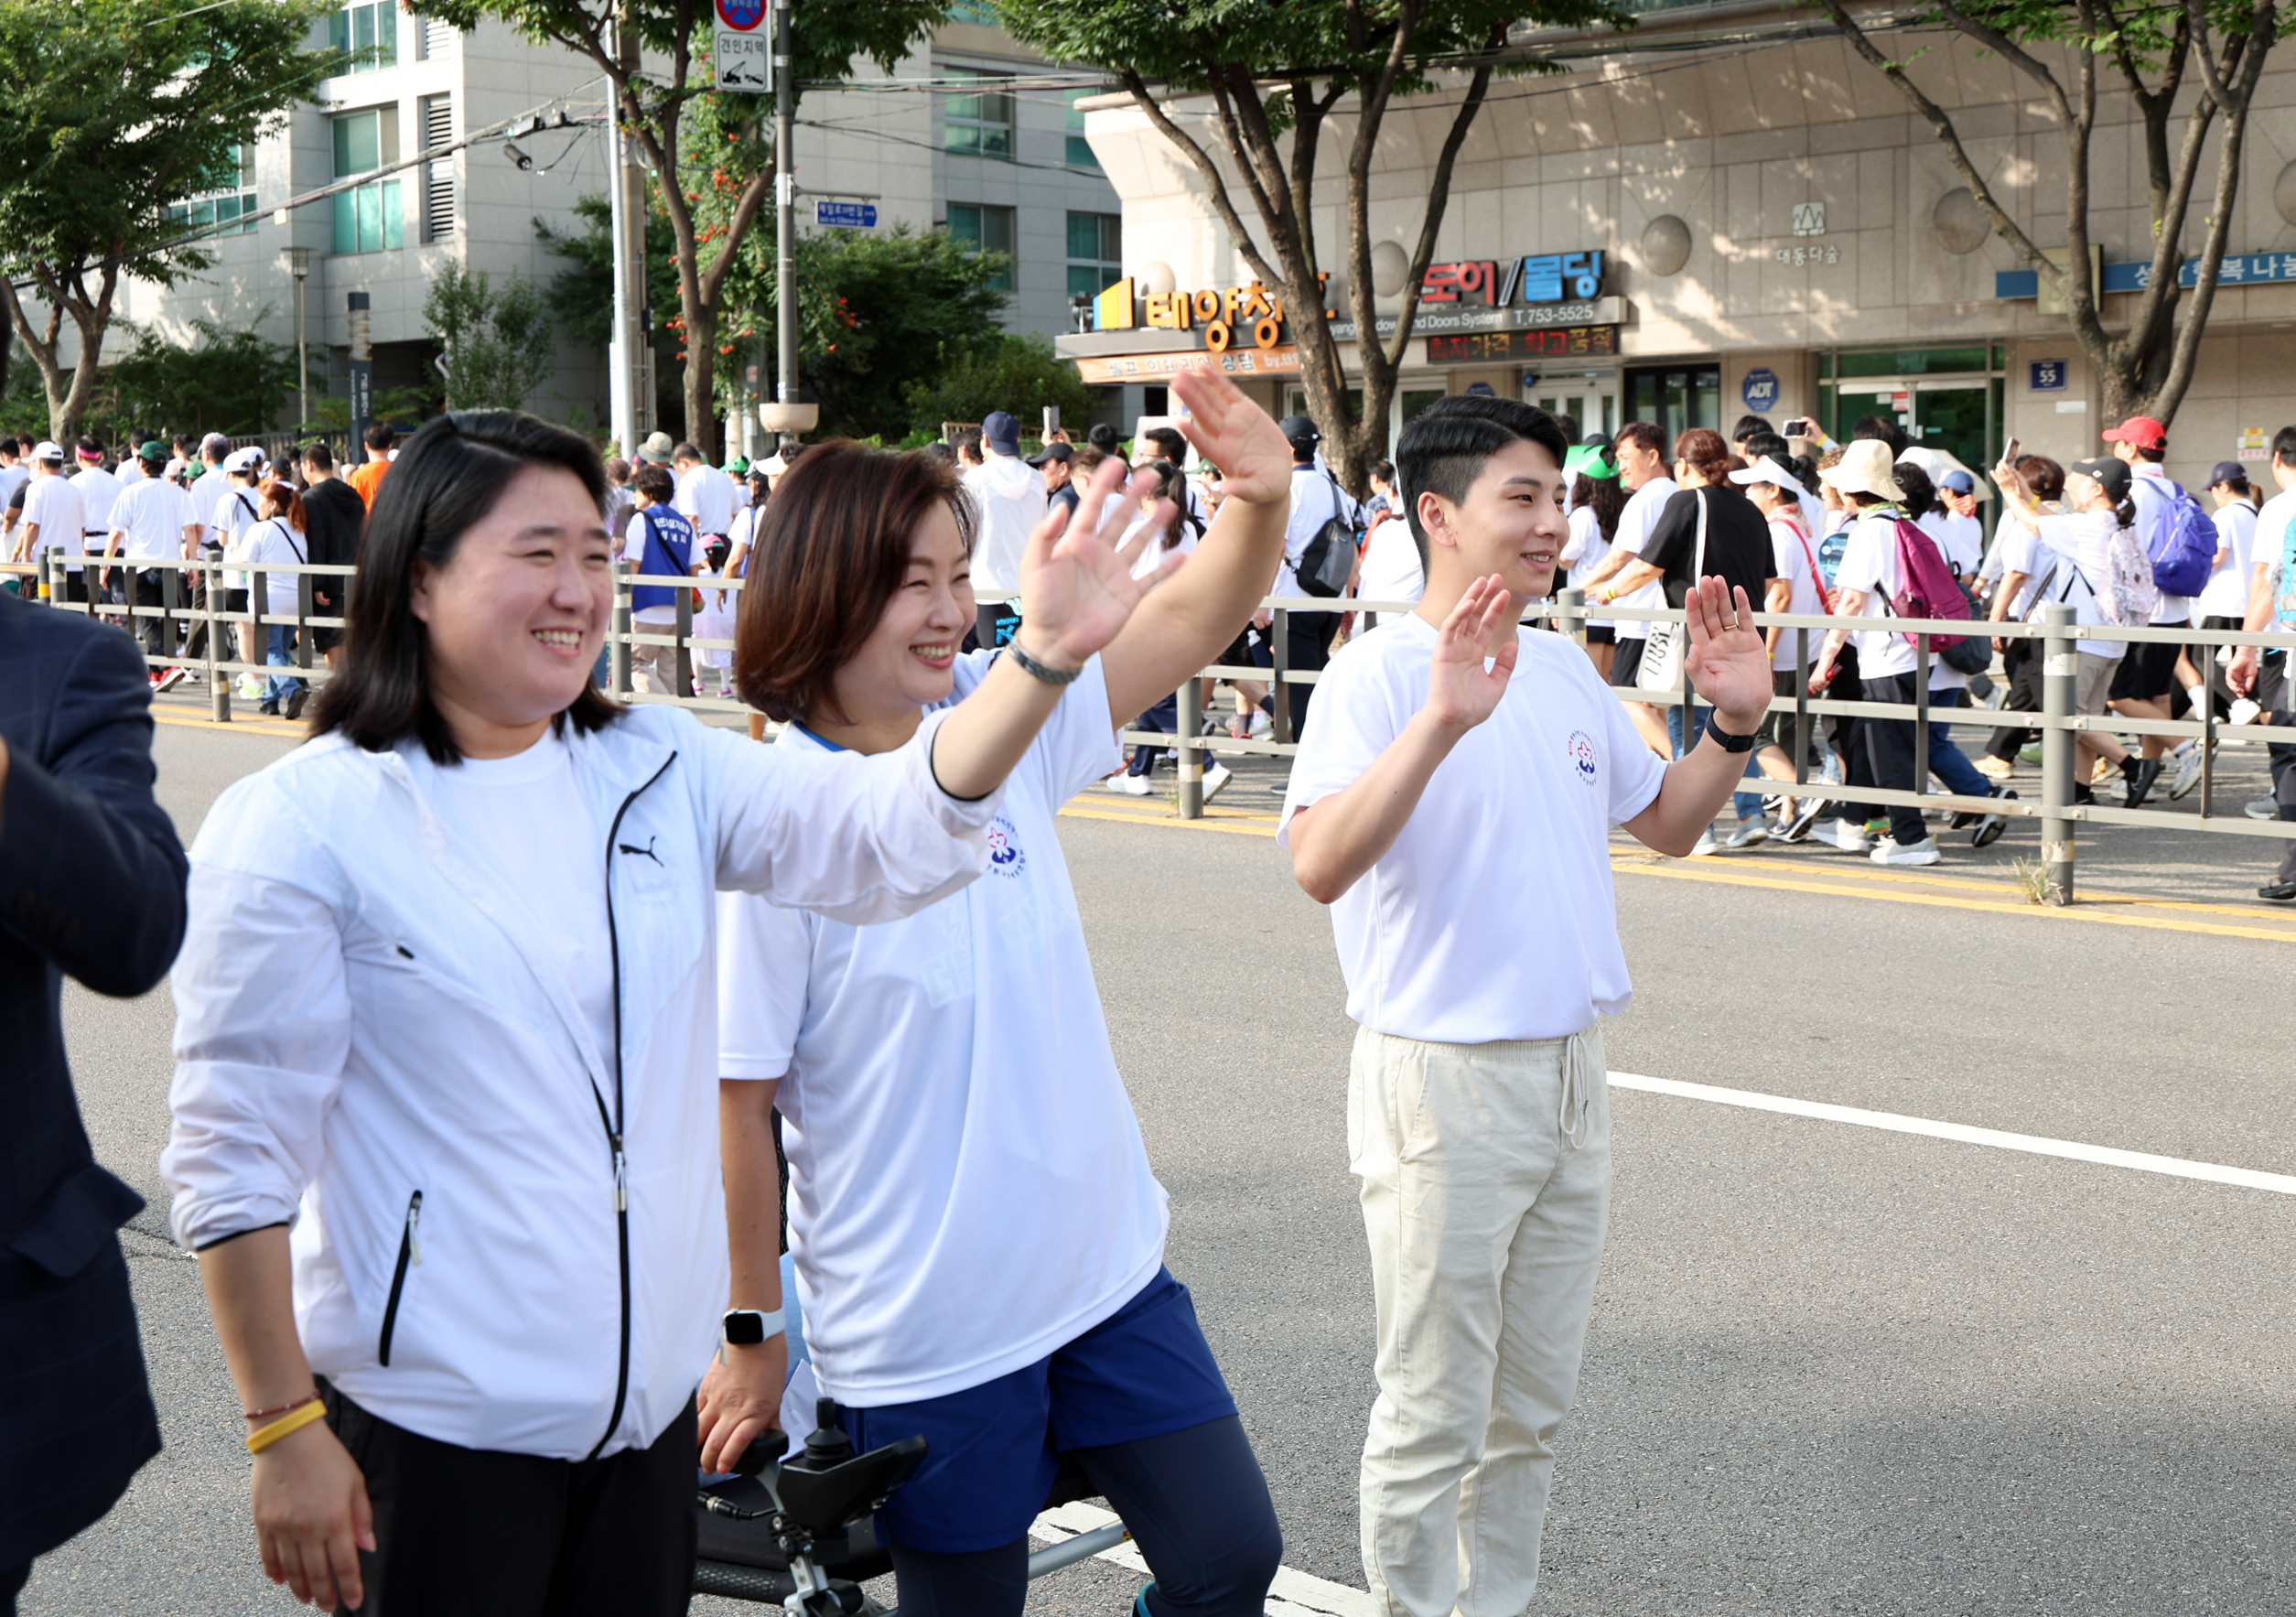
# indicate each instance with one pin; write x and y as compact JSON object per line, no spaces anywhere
{"x":300,"y":267}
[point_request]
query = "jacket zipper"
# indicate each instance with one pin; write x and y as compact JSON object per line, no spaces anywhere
{"x":612,"y":1123}
{"x":410,"y":1251}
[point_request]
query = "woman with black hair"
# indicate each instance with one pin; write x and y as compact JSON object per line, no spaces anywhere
{"x":445,"y":1132}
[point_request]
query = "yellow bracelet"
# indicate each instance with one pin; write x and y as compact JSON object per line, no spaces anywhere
{"x":263,"y":1437}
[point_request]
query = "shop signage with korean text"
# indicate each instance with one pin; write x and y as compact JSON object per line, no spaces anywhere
{"x":1235,"y":361}
{"x":1498,"y":348}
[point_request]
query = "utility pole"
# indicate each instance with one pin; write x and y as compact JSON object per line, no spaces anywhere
{"x":631,"y":384}
{"x":300,"y":267}
{"x":785,"y":415}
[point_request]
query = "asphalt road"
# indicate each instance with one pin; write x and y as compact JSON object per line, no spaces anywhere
{"x":1831,"y":1369}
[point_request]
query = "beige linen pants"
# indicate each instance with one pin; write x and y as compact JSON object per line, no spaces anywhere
{"x":1485,"y":1175}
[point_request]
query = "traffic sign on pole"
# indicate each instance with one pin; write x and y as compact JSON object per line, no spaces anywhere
{"x":745,"y":46}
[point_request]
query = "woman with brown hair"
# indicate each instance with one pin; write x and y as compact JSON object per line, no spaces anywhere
{"x":977,"y":1237}
{"x":277,"y":541}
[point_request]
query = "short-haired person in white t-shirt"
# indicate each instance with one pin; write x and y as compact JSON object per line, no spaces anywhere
{"x":1453,"y":805}
{"x":977,"y":1237}
{"x":1640,"y":453}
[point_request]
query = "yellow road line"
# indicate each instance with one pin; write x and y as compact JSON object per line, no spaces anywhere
{"x":261,"y":724}
{"x":1234,"y":824}
{"x":2038,"y":912}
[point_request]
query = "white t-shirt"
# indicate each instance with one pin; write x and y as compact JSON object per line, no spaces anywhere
{"x":1391,"y":564}
{"x":12,"y":478}
{"x":1585,"y":551}
{"x":1316,"y":498}
{"x":2154,"y":495}
{"x":2020,"y":551}
{"x":2268,"y":547}
{"x":1869,"y":563}
{"x":968,"y":1188}
{"x":97,"y":489}
{"x":1153,"y":550}
{"x":1959,"y":539}
{"x":1636,"y":525}
{"x":1010,"y":496}
{"x":705,"y":498}
{"x":151,"y":514}
{"x":2225,"y":595}
{"x":274,"y":541}
{"x":530,"y":821}
{"x":2082,"y":541}
{"x":1792,"y":557}
{"x":229,"y":521}
{"x":207,"y":491}
{"x":1493,"y":915}
{"x":61,"y":512}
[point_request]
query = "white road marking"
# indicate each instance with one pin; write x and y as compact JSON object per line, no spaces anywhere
{"x":1294,"y":1594}
{"x":2110,"y":1156}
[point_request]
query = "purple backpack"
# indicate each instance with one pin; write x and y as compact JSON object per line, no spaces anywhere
{"x":1928,"y":588}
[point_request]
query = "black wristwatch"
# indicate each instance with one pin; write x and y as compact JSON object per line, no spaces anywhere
{"x":1730,"y":743}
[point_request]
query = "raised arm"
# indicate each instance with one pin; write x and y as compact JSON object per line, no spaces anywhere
{"x":1336,"y":839}
{"x":1187,"y":623}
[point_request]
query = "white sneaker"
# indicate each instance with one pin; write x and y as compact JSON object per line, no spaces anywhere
{"x":250,"y":688}
{"x":1749,"y":832}
{"x":2187,"y":773}
{"x":1845,"y":835}
{"x":1215,"y":780}
{"x":1262,"y":724}
{"x":1890,"y":851}
{"x":2244,"y":711}
{"x":1707,"y":844}
{"x":2263,"y":808}
{"x":1130,"y":785}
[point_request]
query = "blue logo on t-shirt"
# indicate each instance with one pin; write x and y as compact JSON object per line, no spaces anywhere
{"x":1005,"y":857}
{"x":1582,"y":755}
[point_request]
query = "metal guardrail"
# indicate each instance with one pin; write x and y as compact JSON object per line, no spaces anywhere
{"x":2057,"y":633}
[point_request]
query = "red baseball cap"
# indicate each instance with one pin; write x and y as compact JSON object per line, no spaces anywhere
{"x":2140,"y":432}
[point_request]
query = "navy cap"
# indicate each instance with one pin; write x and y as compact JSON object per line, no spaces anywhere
{"x":1001,"y":432}
{"x":1960,"y":482}
{"x":2227,"y":471}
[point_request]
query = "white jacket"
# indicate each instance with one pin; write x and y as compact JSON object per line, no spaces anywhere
{"x":1010,"y":496}
{"x":366,"y":1046}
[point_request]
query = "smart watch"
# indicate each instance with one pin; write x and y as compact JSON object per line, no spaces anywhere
{"x":750,"y":1327}
{"x":1730,"y":744}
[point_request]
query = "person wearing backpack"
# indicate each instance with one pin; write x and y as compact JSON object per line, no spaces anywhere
{"x":2155,"y":680}
{"x":1317,"y":503}
{"x":2104,"y":574}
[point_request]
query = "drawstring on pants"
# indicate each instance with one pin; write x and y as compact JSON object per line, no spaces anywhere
{"x":1578,"y":1075}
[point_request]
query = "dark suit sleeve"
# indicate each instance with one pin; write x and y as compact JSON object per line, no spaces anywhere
{"x":92,"y":871}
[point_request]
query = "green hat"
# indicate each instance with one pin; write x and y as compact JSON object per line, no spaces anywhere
{"x":151,"y":449}
{"x":1590,"y":460}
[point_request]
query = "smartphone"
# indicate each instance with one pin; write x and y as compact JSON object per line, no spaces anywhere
{"x":2010,"y":451}
{"x":1799,"y":427}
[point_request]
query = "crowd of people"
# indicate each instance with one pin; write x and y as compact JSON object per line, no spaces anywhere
{"x":495,"y":1267}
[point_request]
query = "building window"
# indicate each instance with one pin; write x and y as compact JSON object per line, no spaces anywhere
{"x":1096,"y":252}
{"x":979,"y":123}
{"x":225,"y":201}
{"x":979,"y":12}
{"x":438,"y":174}
{"x":984,"y":230}
{"x":371,"y":33}
{"x":1080,"y":150}
{"x":368,"y":218}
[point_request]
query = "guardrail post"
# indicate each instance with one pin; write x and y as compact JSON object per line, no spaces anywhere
{"x":618,"y":662}
{"x":211,"y":603}
{"x":1921,"y":713}
{"x":2060,"y":676}
{"x":684,"y":627}
{"x":170,"y":605}
{"x":1280,"y":651}
{"x":256,"y":645}
{"x":1192,"y":754}
{"x":1571,"y":612}
{"x":1801,"y":706}
{"x":305,"y":605}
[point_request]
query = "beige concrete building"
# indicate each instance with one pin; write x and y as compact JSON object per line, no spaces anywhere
{"x":1777,"y":235}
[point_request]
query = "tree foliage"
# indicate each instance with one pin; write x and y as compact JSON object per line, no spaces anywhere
{"x":116,"y":110}
{"x":715,"y":149}
{"x":1276,"y":76}
{"x":1021,"y":374}
{"x":2208,"y":53}
{"x":494,"y":347}
{"x":234,"y":381}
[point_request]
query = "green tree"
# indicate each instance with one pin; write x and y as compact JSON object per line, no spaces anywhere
{"x":581,"y":298}
{"x":115,"y":110}
{"x":1274,"y":75}
{"x":716,"y":149}
{"x":494,"y":347}
{"x":2209,"y":53}
{"x":1021,"y":374}
{"x":234,"y":381}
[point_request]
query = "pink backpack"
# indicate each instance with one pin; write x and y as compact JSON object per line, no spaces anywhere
{"x":1926,"y":584}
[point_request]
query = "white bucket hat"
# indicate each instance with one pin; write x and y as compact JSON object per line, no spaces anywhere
{"x":1867,"y":467}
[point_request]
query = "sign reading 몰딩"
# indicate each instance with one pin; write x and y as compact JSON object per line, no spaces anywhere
{"x":1759,"y":390}
{"x":744,"y":50}
{"x":859,"y":215}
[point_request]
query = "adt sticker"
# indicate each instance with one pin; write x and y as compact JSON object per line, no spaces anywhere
{"x":1581,"y":750}
{"x":1759,"y":390}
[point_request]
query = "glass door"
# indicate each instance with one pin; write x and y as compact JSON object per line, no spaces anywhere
{"x":1961,"y":417}
{"x":1676,"y":397}
{"x":1592,"y":402}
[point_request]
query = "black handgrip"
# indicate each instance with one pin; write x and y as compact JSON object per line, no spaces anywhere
{"x":827,"y":1444}
{"x":761,"y":1453}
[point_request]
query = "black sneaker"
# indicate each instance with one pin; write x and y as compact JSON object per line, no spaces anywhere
{"x":1990,"y":827}
{"x":2139,"y":774}
{"x":2280,"y":891}
{"x":295,"y":704}
{"x":2082,"y":797}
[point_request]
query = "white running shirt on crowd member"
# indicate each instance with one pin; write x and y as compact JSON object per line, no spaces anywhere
{"x":1391,"y":564}
{"x":1493,"y":915}
{"x":2225,"y":595}
{"x":1793,"y":557}
{"x":1636,"y":525}
{"x":1869,"y":563}
{"x":1585,"y":552}
{"x":968,"y":1188}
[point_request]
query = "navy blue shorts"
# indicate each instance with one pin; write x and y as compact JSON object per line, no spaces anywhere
{"x":994,"y":1449}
